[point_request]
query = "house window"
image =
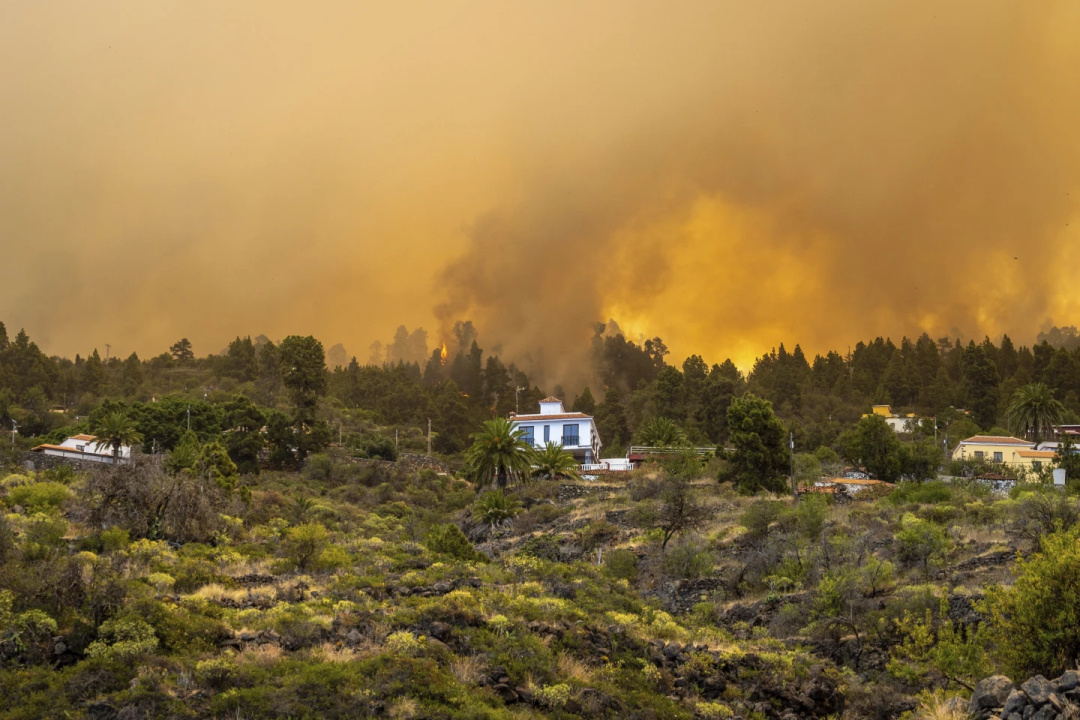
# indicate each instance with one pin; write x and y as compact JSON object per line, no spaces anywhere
{"x":979,"y":454}
{"x":997,"y":457}
{"x":528,"y":436}
{"x":570,"y":435}
{"x":547,"y":434}
{"x":1036,"y":465}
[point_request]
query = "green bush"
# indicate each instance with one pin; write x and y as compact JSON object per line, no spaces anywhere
{"x":687,"y":561}
{"x":123,"y":637}
{"x":544,"y":547}
{"x":920,"y":542}
{"x":38,"y":497}
{"x":304,"y":544}
{"x":621,"y":564}
{"x":923,"y":493}
{"x":115,"y":539}
{"x":1035,"y":623}
{"x":449,"y":540}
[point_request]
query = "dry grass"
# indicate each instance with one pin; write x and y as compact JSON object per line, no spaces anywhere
{"x":983,"y":535}
{"x":467,"y":669}
{"x":940,"y":707}
{"x":261,"y":655}
{"x":572,"y":668}
{"x":332,"y":653}
{"x":404,"y":708}
{"x":219,"y":593}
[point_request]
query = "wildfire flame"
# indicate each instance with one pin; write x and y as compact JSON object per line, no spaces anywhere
{"x":442,"y":354}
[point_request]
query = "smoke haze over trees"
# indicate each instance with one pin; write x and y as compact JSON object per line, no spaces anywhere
{"x":722,"y":177}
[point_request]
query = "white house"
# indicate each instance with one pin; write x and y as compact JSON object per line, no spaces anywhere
{"x":84,"y":447}
{"x":899,"y":423}
{"x":575,"y":431}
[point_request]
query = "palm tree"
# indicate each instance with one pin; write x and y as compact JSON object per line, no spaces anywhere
{"x":496,"y":507}
{"x":661,"y":432}
{"x":115,"y":429}
{"x":1034,"y":407}
{"x":499,"y":453}
{"x":553,"y":462}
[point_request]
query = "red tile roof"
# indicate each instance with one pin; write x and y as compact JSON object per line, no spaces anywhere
{"x":1048,"y":454}
{"x":551,"y":398}
{"x":995,"y":440}
{"x":83,"y":437}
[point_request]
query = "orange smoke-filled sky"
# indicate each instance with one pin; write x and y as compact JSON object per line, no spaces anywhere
{"x":726,"y":175}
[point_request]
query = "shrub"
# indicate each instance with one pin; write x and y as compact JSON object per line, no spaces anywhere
{"x":810,"y":514}
{"x":1035,"y":623}
{"x":304,"y":544}
{"x":1041,"y":513}
{"x":924,"y":493}
{"x":215,"y":673}
{"x":544,"y":547}
{"x":759,"y":517}
{"x":333,"y":558}
{"x":621,"y":564}
{"x":402,"y":643}
{"x":553,"y":696}
{"x":115,"y":539}
{"x":449,"y":540}
{"x":713,"y":711}
{"x":378,"y":446}
{"x":920,"y":542}
{"x":123,"y":637}
{"x":29,"y":635}
{"x":596,"y":533}
{"x":688,"y":562}
{"x":39,"y":497}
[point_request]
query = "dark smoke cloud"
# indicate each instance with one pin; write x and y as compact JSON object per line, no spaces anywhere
{"x":724,"y":174}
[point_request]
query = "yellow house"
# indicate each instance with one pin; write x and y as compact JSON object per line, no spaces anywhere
{"x":899,"y":423}
{"x":1010,"y":451}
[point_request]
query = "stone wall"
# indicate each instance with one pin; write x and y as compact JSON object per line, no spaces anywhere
{"x":996,"y":698}
{"x":39,"y":461}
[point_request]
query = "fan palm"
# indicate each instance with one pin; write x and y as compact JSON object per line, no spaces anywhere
{"x":496,"y":507}
{"x":499,"y":453}
{"x":115,"y":429}
{"x":1034,"y":407}
{"x":553,"y":462}
{"x":661,"y":432}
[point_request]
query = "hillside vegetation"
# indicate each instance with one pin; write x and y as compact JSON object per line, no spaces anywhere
{"x":375,"y":589}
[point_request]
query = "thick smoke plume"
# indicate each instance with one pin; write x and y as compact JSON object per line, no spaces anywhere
{"x":724,"y":174}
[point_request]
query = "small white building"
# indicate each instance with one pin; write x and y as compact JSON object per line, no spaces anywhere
{"x":85,"y":447}
{"x":907,"y":423}
{"x":575,"y":431}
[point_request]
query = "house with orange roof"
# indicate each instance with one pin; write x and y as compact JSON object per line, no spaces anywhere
{"x":575,"y":431}
{"x":1010,"y":451}
{"x":84,"y":447}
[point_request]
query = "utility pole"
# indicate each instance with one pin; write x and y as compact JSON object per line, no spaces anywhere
{"x":517,"y":390}
{"x":188,"y":417}
{"x":395,"y":439}
{"x":791,"y":446}
{"x":13,"y":426}
{"x":107,"y":348}
{"x":429,"y":436}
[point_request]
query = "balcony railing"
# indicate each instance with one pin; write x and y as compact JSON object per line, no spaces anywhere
{"x":570,"y":440}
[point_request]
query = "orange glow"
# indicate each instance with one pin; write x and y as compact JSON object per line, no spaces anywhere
{"x":442,"y":353}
